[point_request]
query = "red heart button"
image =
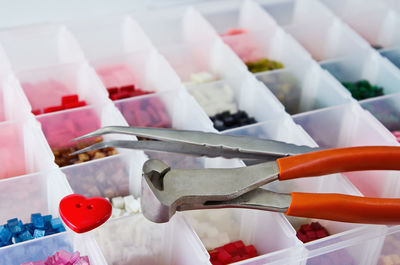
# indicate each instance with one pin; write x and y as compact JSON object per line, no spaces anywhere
{"x":83,"y":214}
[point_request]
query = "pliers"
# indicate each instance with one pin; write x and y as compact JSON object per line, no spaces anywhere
{"x":165,"y":191}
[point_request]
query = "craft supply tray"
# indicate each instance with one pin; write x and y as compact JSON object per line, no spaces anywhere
{"x":158,"y":49}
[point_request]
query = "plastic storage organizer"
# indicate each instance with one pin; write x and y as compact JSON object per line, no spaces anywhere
{"x":320,"y":43}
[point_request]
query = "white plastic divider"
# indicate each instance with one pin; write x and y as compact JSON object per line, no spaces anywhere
{"x":13,"y":103}
{"x":350,"y":125}
{"x":61,"y":80}
{"x":45,"y":191}
{"x":214,"y":57}
{"x":284,"y":129}
{"x":263,"y":38}
{"x":112,"y":37}
{"x":369,"y":66}
{"x":376,"y":21}
{"x":23,"y":149}
{"x":59,"y":128}
{"x":49,"y":44}
{"x":147,"y":70}
{"x":40,"y":249}
{"x":342,"y":52}
{"x":173,"y":26}
{"x":373,"y":20}
{"x":135,"y":240}
{"x":124,"y":55}
{"x":5,"y":66}
{"x":249,"y":95}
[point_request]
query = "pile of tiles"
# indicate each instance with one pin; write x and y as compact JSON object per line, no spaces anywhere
{"x":123,"y":206}
{"x":63,"y":257}
{"x":67,"y":102}
{"x":232,"y":252}
{"x":15,"y":231}
{"x":310,"y":232}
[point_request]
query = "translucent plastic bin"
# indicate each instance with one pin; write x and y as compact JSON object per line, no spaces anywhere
{"x":264,"y":39}
{"x":370,"y":67}
{"x":135,"y":240}
{"x":213,"y":57}
{"x":373,"y":20}
{"x":23,"y":149}
{"x":284,"y":129}
{"x":139,"y":69}
{"x":392,"y":54}
{"x":179,"y":25}
{"x":169,"y":109}
{"x":61,"y":80}
{"x":305,"y":89}
{"x":5,"y":66}
{"x":39,"y":193}
{"x":386,"y":110}
{"x":390,"y":249}
{"x":105,"y":38}
{"x":350,"y":125}
{"x":249,"y":95}
{"x":33,"y":193}
{"x":48,"y":45}
{"x":40,"y":249}
{"x":113,"y":176}
{"x":13,"y":103}
{"x":268,"y":232}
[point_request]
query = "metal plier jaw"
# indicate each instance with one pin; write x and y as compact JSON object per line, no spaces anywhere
{"x":170,"y":190}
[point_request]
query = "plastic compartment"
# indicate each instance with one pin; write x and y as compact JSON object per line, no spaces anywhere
{"x":40,"y":249}
{"x":284,"y":129}
{"x":264,"y":39}
{"x":138,"y":69}
{"x":5,"y":66}
{"x":269,"y":232}
{"x":373,"y":20}
{"x":13,"y":103}
{"x":249,"y":95}
{"x":390,"y":249}
{"x":39,"y":193}
{"x":48,"y":45}
{"x":101,"y":38}
{"x":23,"y":149}
{"x":213,"y":57}
{"x":135,"y":240}
{"x":61,"y":80}
{"x":179,"y":25}
{"x":169,"y":109}
{"x":267,"y":39}
{"x":59,"y":128}
{"x":386,"y":110}
{"x":336,"y":40}
{"x":392,"y":54}
{"x":369,"y":66}
{"x":305,"y":89}
{"x":350,"y":125}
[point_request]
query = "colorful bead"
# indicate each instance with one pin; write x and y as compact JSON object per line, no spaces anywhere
{"x":310,"y":232}
{"x":232,"y":252}
{"x":63,"y":257}
{"x":15,"y":231}
{"x":123,"y":206}
{"x":226,"y":120}
{"x":232,"y":32}
{"x":263,"y":65}
{"x":201,"y":78}
{"x":63,"y":158}
{"x":362,"y":89}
